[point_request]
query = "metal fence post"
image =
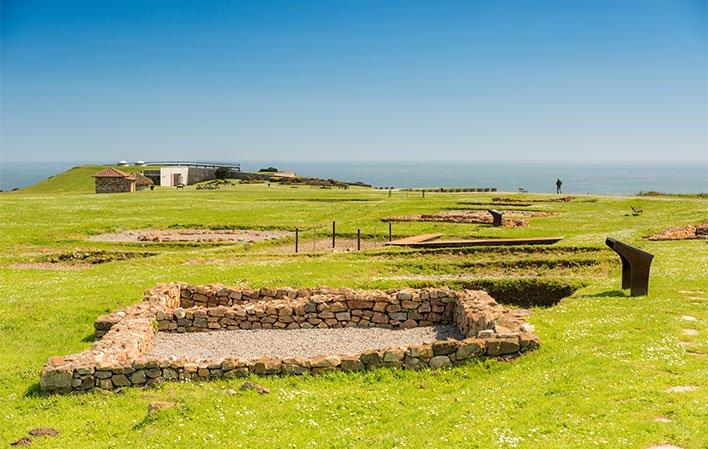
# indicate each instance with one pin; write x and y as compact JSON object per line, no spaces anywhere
{"x":333,"y":232}
{"x":297,"y":235}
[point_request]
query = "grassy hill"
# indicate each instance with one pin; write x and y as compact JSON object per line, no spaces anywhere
{"x":601,"y":378}
{"x":75,"y":180}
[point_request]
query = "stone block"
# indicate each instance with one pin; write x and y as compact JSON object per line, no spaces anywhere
{"x":440,"y":361}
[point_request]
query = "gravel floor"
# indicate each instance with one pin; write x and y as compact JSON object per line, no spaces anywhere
{"x":249,"y":344}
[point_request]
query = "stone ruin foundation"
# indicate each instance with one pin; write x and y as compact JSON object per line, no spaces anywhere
{"x":120,"y":357}
{"x":510,"y":219}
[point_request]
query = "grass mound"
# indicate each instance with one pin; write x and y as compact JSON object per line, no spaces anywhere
{"x":75,"y":180}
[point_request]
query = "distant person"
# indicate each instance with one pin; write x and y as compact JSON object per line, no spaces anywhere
{"x":559,"y":184}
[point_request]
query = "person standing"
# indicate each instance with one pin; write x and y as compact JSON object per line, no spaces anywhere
{"x":559,"y":183}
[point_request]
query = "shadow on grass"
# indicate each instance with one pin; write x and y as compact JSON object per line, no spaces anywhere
{"x":89,"y":338}
{"x":607,"y":294}
{"x":35,"y":391}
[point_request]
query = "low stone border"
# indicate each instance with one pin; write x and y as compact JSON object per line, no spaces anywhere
{"x":510,"y":219}
{"x":119,"y":358}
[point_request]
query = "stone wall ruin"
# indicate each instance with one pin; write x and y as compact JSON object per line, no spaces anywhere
{"x":118,"y":359}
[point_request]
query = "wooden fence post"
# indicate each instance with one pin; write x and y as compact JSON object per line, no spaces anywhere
{"x":297,"y":235}
{"x":358,"y":239}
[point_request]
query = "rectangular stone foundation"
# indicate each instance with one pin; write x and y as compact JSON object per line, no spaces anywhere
{"x":119,"y":358}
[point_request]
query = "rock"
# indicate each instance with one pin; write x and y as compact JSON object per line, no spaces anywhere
{"x":266,"y":365}
{"x":469,"y":348}
{"x":104,"y":384}
{"x":529,"y":341}
{"x":248,"y":385}
{"x":403,"y":296}
{"x":294,"y":366}
{"x":409,"y":324}
{"x":420,"y":351}
{"x":44,"y":432}
{"x":56,"y":379}
{"x":351,"y":363}
{"x":393,"y":355}
{"x":502,"y":346}
{"x":331,"y":361}
{"x":526,"y":327}
{"x":370,"y":357}
{"x":413,"y":363}
{"x":379,"y":318}
{"x":443,"y":347}
{"x":24,"y":441}
{"x":156,"y":406}
{"x":486,"y":333}
{"x":120,"y":380}
{"x":440,"y":361}
{"x":230,"y":392}
{"x":138,"y":377}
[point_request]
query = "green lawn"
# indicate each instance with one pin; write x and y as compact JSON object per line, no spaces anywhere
{"x":599,"y":379}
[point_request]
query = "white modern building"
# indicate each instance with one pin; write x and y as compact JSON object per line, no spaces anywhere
{"x":185,"y":175}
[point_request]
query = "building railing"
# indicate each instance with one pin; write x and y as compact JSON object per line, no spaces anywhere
{"x":197,"y":164}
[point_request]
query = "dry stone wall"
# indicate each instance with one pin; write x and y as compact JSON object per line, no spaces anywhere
{"x":118,"y":359}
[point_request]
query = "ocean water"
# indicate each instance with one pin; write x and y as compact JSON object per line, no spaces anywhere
{"x":596,"y":178}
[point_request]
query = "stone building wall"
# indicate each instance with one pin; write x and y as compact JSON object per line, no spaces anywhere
{"x":118,"y":359}
{"x":114,"y":185}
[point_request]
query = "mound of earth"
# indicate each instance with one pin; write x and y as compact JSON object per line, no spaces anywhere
{"x":683,"y":233}
{"x":191,"y":235}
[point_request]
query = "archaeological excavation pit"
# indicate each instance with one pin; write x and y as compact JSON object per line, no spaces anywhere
{"x":191,"y":235}
{"x":511,"y":218}
{"x":180,"y":332}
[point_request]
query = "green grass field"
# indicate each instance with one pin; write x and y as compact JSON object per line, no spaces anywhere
{"x":599,"y":380}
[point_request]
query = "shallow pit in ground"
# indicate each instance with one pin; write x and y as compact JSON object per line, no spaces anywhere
{"x":281,"y":343}
{"x":78,"y":259}
{"x":191,"y":235}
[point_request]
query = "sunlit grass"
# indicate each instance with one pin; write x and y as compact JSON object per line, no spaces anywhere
{"x":598,"y":380}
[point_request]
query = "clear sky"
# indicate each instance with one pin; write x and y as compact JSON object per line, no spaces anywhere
{"x":354,"y":80}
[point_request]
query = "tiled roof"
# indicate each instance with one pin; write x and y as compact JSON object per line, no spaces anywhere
{"x":111,"y":172}
{"x":143,"y":180}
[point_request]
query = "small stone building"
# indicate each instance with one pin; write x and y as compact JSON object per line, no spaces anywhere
{"x":112,"y":180}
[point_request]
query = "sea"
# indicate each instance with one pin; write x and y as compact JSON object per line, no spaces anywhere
{"x":578,"y":177}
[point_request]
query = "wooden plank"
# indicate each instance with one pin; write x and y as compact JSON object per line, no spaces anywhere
{"x":481,"y":242}
{"x":414,"y":239}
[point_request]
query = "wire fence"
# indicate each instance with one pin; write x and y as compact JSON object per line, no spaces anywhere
{"x":334,"y":236}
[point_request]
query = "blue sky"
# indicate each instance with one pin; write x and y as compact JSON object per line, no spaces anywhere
{"x":354,"y":80}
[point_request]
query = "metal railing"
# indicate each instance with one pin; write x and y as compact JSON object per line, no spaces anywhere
{"x":197,"y":164}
